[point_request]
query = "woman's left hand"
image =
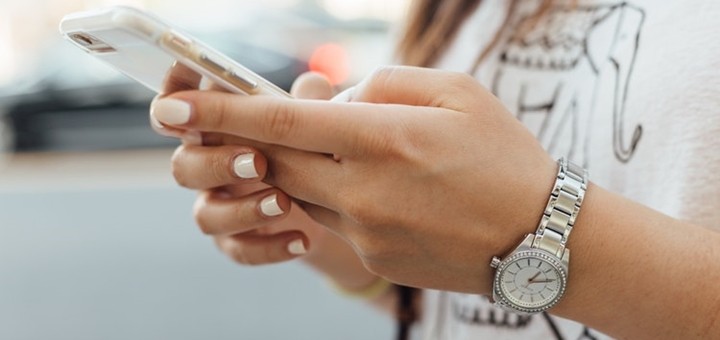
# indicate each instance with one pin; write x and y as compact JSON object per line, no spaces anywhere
{"x":424,"y":172}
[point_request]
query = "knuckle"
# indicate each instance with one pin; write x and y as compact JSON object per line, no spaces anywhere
{"x":177,"y":166}
{"x":215,"y":115}
{"x":273,"y":254}
{"x":281,"y":121}
{"x":204,"y":227}
{"x":217,"y":166}
{"x":382,"y":75}
{"x":201,"y":217}
{"x":463,"y":80}
{"x":239,"y":255}
{"x":257,"y":255}
{"x":460,"y":87}
{"x":386,"y":142}
{"x":237,"y":250}
{"x":376,"y":84}
{"x":244,"y":217}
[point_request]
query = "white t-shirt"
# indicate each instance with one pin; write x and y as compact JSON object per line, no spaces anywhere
{"x":630,"y":89}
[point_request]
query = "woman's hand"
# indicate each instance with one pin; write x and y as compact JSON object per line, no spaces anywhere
{"x":424,"y":173}
{"x":250,"y":221}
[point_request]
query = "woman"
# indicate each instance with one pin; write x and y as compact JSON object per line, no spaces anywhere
{"x":424,"y":177}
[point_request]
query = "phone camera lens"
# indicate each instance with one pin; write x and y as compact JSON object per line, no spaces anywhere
{"x":83,"y":40}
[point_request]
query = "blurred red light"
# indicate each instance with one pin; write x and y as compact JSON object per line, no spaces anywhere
{"x":332,"y":61}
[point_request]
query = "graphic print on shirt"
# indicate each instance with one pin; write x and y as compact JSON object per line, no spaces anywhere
{"x":477,"y":311}
{"x":550,"y":76}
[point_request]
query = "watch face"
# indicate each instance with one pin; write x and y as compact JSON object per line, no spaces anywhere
{"x":530,"y":281}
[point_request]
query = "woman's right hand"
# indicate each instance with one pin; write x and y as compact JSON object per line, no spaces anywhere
{"x":250,"y":221}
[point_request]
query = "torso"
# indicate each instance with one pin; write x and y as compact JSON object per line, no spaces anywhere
{"x":629,"y":89}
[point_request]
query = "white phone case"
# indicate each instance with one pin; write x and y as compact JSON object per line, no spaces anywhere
{"x":145,"y":48}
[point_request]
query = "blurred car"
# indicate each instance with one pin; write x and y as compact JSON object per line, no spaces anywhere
{"x":74,"y":102}
{"x":79,"y":103}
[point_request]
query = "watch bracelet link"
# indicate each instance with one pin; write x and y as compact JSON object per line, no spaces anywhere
{"x":562,"y":208}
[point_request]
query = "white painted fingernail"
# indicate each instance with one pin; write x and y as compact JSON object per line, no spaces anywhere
{"x":156,"y":123}
{"x":192,"y":138}
{"x":244,"y":166}
{"x":269,"y":206}
{"x":171,"y":111}
{"x":297,"y":247}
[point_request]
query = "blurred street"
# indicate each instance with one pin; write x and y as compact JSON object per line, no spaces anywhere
{"x":103,"y":246}
{"x":97,"y":241}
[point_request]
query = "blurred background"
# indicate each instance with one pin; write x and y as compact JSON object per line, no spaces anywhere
{"x":96,"y":240}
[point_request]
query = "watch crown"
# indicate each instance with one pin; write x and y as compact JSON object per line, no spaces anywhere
{"x":495,"y":262}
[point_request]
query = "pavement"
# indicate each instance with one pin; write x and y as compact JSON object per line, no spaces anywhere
{"x":103,"y":246}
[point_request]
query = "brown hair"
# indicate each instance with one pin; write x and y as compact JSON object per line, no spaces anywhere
{"x":432,"y":25}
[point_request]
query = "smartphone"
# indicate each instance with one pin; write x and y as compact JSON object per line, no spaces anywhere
{"x":146,"y":49}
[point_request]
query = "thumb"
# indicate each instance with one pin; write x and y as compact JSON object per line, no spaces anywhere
{"x":312,"y":85}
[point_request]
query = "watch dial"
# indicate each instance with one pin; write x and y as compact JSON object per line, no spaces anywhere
{"x":531,"y":281}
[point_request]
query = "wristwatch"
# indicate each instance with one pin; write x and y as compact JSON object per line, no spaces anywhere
{"x":533,"y":277}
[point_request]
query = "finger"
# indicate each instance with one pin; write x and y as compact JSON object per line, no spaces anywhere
{"x":324,"y":216}
{"x":307,"y":176}
{"x":215,"y":139}
{"x":243,"y":189}
{"x":302,"y":174}
{"x":312,"y":85}
{"x":346,"y":96}
{"x":180,"y":78}
{"x":309,"y":85}
{"x":254,"y":249}
{"x":216,"y":214}
{"x":202,"y":167}
{"x":188,"y":137}
{"x":418,"y":86}
{"x":311,"y":125}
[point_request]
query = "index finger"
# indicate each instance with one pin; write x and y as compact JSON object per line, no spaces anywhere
{"x":312,"y":125}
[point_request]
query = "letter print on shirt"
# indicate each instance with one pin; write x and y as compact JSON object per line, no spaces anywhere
{"x":550,"y":75}
{"x":477,"y":312}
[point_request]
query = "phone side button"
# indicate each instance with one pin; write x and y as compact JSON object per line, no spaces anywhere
{"x":176,"y":42}
{"x":212,"y":64}
{"x":243,"y":83}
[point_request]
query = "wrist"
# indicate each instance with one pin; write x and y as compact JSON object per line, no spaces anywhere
{"x":630,"y":263}
{"x":533,"y":277}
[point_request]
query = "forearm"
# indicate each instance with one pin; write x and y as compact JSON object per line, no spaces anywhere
{"x":636,"y":273}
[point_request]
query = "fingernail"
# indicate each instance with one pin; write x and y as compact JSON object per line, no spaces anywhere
{"x":269,"y":206}
{"x":171,"y":111}
{"x":156,"y":123}
{"x":192,"y":138}
{"x":297,"y":247}
{"x":244,"y":166}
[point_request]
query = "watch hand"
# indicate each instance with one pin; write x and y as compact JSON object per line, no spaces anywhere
{"x":531,"y":279}
{"x":541,"y":281}
{"x":534,"y":277}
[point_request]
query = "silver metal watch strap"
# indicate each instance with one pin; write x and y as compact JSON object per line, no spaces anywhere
{"x":562,"y":208}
